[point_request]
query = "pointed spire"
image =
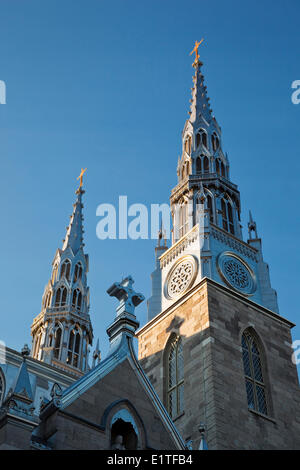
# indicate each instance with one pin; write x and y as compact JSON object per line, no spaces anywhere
{"x":22,"y":384}
{"x":20,"y":397}
{"x":200,"y":106}
{"x":96,"y":355}
{"x":252,"y":226}
{"x":161,"y":235}
{"x":74,"y":235}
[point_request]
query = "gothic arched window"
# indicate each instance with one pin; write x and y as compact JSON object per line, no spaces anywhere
{"x":54,"y":273}
{"x":210,"y":208}
{"x":227,"y":216}
{"x":78,"y":272}
{"x":61,"y":297}
{"x":214,"y":141}
{"x":65,"y":269}
{"x":218,"y":166}
{"x":47,"y":299}
{"x":183,"y":219}
{"x":201,"y":137}
{"x":74,"y":347}
{"x":198,"y":165}
{"x":175,"y":378}
{"x":37,"y":344}
{"x":253,"y":370}
{"x":57,"y":341}
{"x":77,"y":299}
{"x":206,"y":164}
{"x":222,"y":169}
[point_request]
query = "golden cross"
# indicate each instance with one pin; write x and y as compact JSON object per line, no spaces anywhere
{"x":197,"y":44}
{"x":81,"y":175}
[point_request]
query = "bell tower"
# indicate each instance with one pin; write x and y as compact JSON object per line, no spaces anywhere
{"x":215,"y":347}
{"x":207,"y":239}
{"x":62,"y":332}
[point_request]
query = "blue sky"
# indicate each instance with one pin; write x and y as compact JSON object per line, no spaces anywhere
{"x":106,"y":85}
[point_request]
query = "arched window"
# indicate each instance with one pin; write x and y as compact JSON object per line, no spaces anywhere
{"x":198,"y":165}
{"x":77,"y":299}
{"x":218,"y":166}
{"x":206,"y":165}
{"x":187,"y":168}
{"x":183,"y":219}
{"x":214,"y":141}
{"x":175,"y":378}
{"x":61,"y":297}
{"x":222,"y":169}
{"x":201,"y":137}
{"x":54,"y":273}
{"x":65,"y":269}
{"x":78,"y":272}
{"x":57,"y":342}
{"x":38,"y":338}
{"x":255,"y":384}
{"x":227,"y":216}
{"x":210,"y":208}
{"x":47,"y":299}
{"x":74,"y":347}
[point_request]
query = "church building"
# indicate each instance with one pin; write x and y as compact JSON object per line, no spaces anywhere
{"x":214,"y":367}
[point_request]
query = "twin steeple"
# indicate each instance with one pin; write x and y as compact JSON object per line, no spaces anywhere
{"x":62,"y":332}
{"x":207,"y":238}
{"x":203,"y":169}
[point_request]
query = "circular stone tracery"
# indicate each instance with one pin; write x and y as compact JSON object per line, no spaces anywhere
{"x":236,"y":273}
{"x":181,"y":277}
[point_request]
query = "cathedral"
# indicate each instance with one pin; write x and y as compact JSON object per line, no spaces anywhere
{"x":214,"y":368}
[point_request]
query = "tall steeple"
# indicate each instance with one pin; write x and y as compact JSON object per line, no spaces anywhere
{"x":203,"y":164}
{"x":62,"y":332}
{"x":207,"y":239}
{"x":74,"y":235}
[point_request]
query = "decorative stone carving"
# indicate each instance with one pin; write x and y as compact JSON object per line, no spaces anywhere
{"x":236,"y":273}
{"x":181,"y":277}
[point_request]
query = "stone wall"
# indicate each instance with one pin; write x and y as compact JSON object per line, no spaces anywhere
{"x":211,"y":319}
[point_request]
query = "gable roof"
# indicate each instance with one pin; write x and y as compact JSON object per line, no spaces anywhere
{"x":121,"y":350}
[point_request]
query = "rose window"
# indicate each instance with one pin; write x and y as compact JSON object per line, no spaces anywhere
{"x":236,"y":273}
{"x":181,"y":277}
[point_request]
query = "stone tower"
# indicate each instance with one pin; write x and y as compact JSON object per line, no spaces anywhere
{"x":62,"y":332}
{"x":217,"y":351}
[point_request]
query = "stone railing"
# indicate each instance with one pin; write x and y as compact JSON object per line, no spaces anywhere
{"x":231,"y":241}
{"x":179,"y":246}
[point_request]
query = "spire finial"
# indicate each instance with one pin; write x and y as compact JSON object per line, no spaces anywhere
{"x":197,"y":44}
{"x":81,"y":176}
{"x":161,"y":234}
{"x":252,"y":226}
